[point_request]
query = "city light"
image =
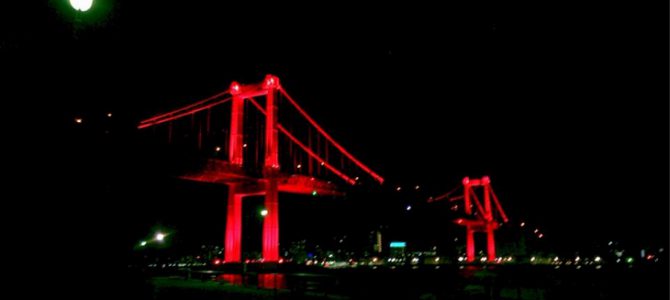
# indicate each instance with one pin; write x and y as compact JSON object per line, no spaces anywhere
{"x":408,"y":208}
{"x":264,"y":212}
{"x":532,"y":259}
{"x":597,"y":259}
{"x":78,"y":120}
{"x":244,"y":145}
{"x":81,"y":5}
{"x":417,"y":187}
{"x":143,"y":243}
{"x":159,"y":236}
{"x":109,"y":115}
{"x":398,"y":189}
{"x":217,"y":149}
{"x":299,"y":166}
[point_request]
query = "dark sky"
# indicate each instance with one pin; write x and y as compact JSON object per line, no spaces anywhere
{"x":564,"y":105}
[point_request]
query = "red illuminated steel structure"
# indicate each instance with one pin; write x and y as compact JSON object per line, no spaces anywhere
{"x":241,"y":185}
{"x":480,"y":220}
{"x":270,"y":179}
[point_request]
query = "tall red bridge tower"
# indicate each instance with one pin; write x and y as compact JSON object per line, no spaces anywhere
{"x":480,"y":219}
{"x":321,"y":152}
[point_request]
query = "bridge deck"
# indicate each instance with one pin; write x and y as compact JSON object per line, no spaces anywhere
{"x":221,"y":172}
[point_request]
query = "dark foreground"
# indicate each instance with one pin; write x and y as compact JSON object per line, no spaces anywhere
{"x":445,"y":282}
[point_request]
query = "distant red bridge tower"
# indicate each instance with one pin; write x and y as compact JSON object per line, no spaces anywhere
{"x":482,"y":218}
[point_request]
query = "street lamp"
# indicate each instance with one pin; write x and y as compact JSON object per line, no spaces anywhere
{"x":81,"y":5}
{"x":159,"y":236}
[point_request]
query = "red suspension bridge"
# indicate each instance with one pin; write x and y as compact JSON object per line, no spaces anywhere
{"x":257,"y":154}
{"x":253,"y":138}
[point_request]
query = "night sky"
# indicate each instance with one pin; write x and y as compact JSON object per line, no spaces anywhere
{"x":565,"y":106}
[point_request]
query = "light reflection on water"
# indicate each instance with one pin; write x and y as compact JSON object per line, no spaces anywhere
{"x":264,"y":281}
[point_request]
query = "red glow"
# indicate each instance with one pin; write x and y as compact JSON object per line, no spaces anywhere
{"x":271,"y":82}
{"x":271,"y":223}
{"x":485,"y":215}
{"x":183,"y":111}
{"x":540,"y":235}
{"x":179,"y":113}
{"x":271,"y":281}
{"x":271,"y":134}
{"x":281,"y":260}
{"x":235,"y":88}
{"x":233,"y":241}
{"x":235,"y":153}
{"x":305,"y":148}
{"x":330,"y":139}
{"x":217,"y":261}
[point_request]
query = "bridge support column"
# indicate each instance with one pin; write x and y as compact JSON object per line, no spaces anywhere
{"x":233,"y":242}
{"x":271,"y":222}
{"x":271,"y":170}
{"x":490,"y":243}
{"x":470,"y":244}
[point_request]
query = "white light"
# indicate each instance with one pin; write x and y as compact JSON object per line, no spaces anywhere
{"x":78,"y":120}
{"x":109,"y":115}
{"x":143,"y":243}
{"x":299,"y":166}
{"x":408,"y":208}
{"x":244,"y":145}
{"x":217,"y":149}
{"x":416,"y":187}
{"x":437,"y":259}
{"x":160,"y":236}
{"x":523,"y":224}
{"x":264,"y":212}
{"x":461,"y":258}
{"x":610,"y":243}
{"x":532,"y":259}
{"x":483,"y":259}
{"x":398,"y":189}
{"x":597,"y":259}
{"x":81,"y":5}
